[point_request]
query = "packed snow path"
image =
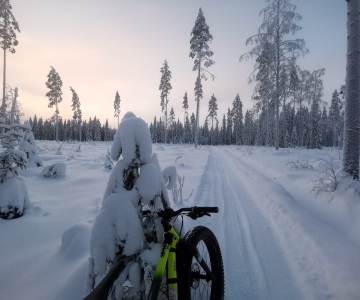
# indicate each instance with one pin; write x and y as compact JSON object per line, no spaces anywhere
{"x":273,"y":248}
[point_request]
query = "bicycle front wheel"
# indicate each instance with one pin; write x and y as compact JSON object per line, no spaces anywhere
{"x":195,"y":284}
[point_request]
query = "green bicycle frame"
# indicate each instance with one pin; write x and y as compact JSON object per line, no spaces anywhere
{"x":168,"y":255}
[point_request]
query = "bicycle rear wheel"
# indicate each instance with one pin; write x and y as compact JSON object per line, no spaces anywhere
{"x":194,"y":284}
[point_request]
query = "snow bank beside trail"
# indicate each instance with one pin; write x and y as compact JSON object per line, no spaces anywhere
{"x":340,"y":209}
{"x":324,"y":261}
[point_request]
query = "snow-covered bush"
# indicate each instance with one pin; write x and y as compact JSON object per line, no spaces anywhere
{"x":119,"y":231}
{"x":328,"y":179}
{"x":108,"y":163}
{"x":13,"y":191}
{"x":58,"y":152}
{"x":175,"y":183}
{"x":28,"y":145}
{"x":54,"y":170}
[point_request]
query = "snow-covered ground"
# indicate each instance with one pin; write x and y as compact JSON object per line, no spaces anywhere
{"x":278,"y":241}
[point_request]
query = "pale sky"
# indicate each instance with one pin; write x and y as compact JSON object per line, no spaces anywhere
{"x":101,"y":46}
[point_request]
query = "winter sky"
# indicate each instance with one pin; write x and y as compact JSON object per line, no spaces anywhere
{"x":100,"y":46}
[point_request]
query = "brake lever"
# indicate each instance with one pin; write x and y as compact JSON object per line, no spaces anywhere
{"x":193,"y":215}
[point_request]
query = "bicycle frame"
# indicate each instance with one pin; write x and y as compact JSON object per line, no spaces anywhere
{"x":168,"y":255}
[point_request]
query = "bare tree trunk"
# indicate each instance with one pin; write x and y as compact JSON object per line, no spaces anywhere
{"x":166,"y":120}
{"x":197,"y":116}
{"x":352,"y":93}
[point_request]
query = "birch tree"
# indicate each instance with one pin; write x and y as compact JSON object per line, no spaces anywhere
{"x":279,"y":20}
{"x":8,"y":41}
{"x":117,"y":106}
{"x":165,"y":87}
{"x":352,"y":92}
{"x":54,"y":83}
{"x":201,"y":53}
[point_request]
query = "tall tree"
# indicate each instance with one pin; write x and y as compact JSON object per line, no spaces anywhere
{"x":165,"y":87}
{"x":352,"y":92}
{"x":334,"y":119}
{"x":200,"y":51}
{"x":185,"y":107}
{"x":75,"y":105}
{"x":237,"y":115}
{"x":117,"y":106}
{"x":213,"y":107}
{"x":279,"y":20}
{"x":8,"y":41}
{"x":54,"y":83}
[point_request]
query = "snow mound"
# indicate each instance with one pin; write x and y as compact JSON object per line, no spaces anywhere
{"x":129,"y":114}
{"x":54,"y":170}
{"x":75,"y":240}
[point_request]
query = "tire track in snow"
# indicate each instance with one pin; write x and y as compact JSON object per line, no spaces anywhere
{"x":254,"y":264}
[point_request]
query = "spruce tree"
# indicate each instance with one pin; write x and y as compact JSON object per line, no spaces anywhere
{"x":117,"y":106}
{"x":75,"y":105}
{"x":54,"y":83}
{"x":213,"y":107}
{"x":165,"y":87}
{"x":200,"y":51}
{"x":237,"y":119}
{"x":334,"y":118}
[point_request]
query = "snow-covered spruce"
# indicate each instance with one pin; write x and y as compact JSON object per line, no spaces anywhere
{"x":54,"y":170}
{"x":28,"y":145}
{"x":108,"y":163}
{"x":119,"y":231}
{"x":14,"y":197}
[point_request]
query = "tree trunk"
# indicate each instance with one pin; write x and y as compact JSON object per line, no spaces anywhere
{"x":56,"y":120}
{"x":352,"y":92}
{"x":197,"y":115}
{"x":166,"y":125}
{"x":13,"y":106}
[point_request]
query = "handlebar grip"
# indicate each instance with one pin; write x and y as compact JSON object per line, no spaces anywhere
{"x":205,"y":209}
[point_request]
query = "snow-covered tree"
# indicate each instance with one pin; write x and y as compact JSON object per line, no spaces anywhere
{"x":213,"y":107}
{"x":8,"y":41}
{"x":165,"y":87}
{"x":200,"y":51}
{"x":171,"y":124}
{"x":120,"y":231}
{"x":334,"y":119}
{"x":54,"y":83}
{"x":185,"y":107}
{"x":279,"y":20}
{"x":117,"y":106}
{"x":13,"y":192}
{"x":28,"y":146}
{"x":75,"y":106}
{"x":237,"y":119}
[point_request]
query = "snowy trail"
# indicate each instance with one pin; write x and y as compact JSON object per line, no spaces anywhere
{"x":272,"y":248}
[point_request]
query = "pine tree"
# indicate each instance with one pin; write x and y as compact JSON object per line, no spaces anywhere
{"x":117,"y":106}
{"x":213,"y":107}
{"x":35,"y":129}
{"x":8,"y":41}
{"x":54,"y":83}
{"x":40,"y":129}
{"x":279,"y":21}
{"x":165,"y":87}
{"x":193,"y":127}
{"x":77,"y":112}
{"x":200,"y":51}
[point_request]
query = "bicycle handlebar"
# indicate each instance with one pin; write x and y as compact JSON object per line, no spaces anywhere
{"x":169,"y":213}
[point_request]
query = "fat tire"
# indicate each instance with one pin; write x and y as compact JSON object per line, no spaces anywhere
{"x":185,"y":260}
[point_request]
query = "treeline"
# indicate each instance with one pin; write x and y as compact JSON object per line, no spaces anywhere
{"x":69,"y":130}
{"x":304,"y":127}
